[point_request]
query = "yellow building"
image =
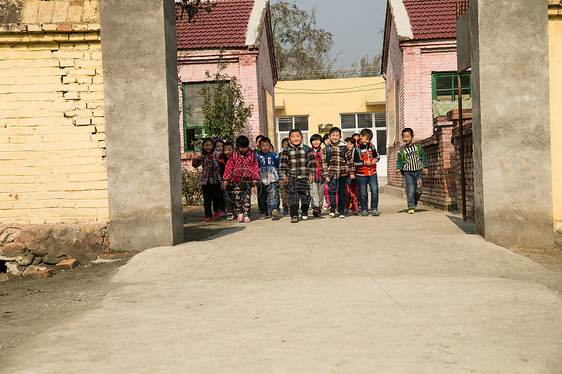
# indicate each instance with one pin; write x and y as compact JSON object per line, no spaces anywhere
{"x":555,"y":76}
{"x":314,"y":106}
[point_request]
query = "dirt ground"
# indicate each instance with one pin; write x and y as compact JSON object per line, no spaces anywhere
{"x":29,"y":306}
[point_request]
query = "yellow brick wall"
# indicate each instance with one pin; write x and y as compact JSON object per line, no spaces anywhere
{"x":52,"y":135}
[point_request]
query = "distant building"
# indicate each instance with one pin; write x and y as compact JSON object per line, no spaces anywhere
{"x":314,"y":106}
{"x":419,"y":65}
{"x":239,"y":31}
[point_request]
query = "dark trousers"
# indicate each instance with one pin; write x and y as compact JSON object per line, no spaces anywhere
{"x":338,"y":186}
{"x":211,"y":194}
{"x":298,"y":191}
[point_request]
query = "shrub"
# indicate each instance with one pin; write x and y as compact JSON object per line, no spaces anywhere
{"x":191,"y":187}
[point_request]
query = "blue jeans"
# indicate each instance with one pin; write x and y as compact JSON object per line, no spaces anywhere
{"x":373,"y":183}
{"x":268,"y":198}
{"x":338,"y":186}
{"x":413,"y":187}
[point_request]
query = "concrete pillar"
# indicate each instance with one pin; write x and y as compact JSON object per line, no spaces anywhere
{"x":142,"y":114}
{"x":512,"y":174}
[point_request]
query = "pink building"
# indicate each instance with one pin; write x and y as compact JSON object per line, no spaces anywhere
{"x":419,"y":65}
{"x":241,"y":31}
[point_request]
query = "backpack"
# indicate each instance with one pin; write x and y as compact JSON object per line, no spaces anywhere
{"x":328,"y":151}
{"x":403,"y":153}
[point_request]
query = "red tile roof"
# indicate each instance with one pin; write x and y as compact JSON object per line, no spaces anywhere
{"x":224,"y":27}
{"x":433,"y":19}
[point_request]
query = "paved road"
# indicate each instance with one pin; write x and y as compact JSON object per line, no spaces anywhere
{"x":391,"y":294}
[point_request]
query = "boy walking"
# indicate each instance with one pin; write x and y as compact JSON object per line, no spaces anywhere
{"x":365,"y":158}
{"x":268,"y":198}
{"x":297,"y":169}
{"x":411,"y":162}
{"x":338,"y":168}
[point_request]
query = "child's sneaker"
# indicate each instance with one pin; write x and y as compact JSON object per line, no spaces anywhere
{"x":375,"y":213}
{"x":208,"y":219}
{"x":230,"y":217}
{"x":342,"y":215}
{"x":355,"y":213}
{"x":240,"y":218}
{"x":223,"y":214}
{"x":364,"y":213}
{"x":262,"y":216}
{"x":411,"y":211}
{"x":246,"y":219}
{"x":294,"y":219}
{"x":332,"y":212}
{"x":275,"y":215}
{"x":316,"y":212}
{"x":217,"y":215}
{"x":304,"y":217}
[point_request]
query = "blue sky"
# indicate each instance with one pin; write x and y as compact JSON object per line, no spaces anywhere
{"x":354,"y":23}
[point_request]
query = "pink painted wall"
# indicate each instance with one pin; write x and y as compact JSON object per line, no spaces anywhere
{"x":411,"y":63}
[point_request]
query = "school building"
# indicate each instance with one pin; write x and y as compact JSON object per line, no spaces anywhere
{"x":314,"y":106}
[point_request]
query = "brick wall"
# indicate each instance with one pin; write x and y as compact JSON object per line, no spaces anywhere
{"x":52,"y":136}
{"x":439,"y":187}
{"x":468,"y":166}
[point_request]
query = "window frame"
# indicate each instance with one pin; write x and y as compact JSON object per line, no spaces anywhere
{"x":453,"y":89}
{"x":374,"y":128}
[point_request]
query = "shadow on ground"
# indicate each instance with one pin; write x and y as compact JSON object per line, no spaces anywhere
{"x":196,"y":229}
{"x":468,"y":227}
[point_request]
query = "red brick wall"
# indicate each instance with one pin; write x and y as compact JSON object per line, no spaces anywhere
{"x":468,"y":167}
{"x":439,"y":187}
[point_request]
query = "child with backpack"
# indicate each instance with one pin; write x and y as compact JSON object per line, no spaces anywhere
{"x":412,"y":162}
{"x":210,"y":179}
{"x":365,"y":158}
{"x":337,"y":166}
{"x":242,"y":171}
{"x":268,"y":197}
{"x":297,"y":169}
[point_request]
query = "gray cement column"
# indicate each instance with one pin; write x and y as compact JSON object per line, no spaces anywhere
{"x":141,"y":114}
{"x":512,"y":175}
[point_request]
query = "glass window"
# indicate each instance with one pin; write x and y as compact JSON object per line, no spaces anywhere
{"x":286,"y":124}
{"x":381,"y":142}
{"x":348,"y":121}
{"x":365,"y":121}
{"x":193,"y":118}
{"x":380,"y":119}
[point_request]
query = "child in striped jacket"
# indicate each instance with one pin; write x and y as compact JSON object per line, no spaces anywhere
{"x":411,"y":162}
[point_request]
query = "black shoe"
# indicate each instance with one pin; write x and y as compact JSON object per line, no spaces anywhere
{"x":294,"y":219}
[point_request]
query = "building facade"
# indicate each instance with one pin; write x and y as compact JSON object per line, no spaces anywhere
{"x":419,"y":66}
{"x":314,"y":106}
{"x":238,"y":34}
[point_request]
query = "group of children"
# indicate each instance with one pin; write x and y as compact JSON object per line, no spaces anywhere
{"x":338,"y":172}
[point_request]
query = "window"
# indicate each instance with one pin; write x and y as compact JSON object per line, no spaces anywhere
{"x":286,"y":124}
{"x":193,"y":118}
{"x":444,"y":86}
{"x":354,"y":123}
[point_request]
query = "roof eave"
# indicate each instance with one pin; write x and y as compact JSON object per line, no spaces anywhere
{"x":255,"y":23}
{"x":401,"y":20}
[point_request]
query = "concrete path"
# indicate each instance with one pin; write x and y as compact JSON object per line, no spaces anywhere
{"x":391,"y":294}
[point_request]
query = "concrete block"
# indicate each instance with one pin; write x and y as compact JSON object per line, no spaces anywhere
{"x":143,"y":100}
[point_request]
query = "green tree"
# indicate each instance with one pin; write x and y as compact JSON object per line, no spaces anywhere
{"x":302,"y":50}
{"x":367,"y":67}
{"x":224,"y":109}
{"x":190,"y":8}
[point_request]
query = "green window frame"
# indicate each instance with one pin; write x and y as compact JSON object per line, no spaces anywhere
{"x":444,"y":86}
